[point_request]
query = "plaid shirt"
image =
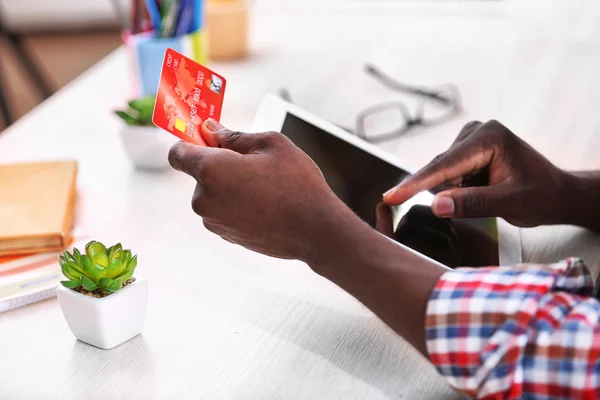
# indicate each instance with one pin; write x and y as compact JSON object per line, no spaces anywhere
{"x":531,"y":332}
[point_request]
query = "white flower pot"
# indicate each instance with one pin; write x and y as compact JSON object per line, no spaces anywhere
{"x":109,"y":321}
{"x":147,"y":146}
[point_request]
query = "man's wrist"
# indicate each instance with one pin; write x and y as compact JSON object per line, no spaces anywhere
{"x":340,"y":235}
{"x":582,"y":199}
{"x":391,"y":280}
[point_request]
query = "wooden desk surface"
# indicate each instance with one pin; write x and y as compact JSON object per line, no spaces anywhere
{"x":225,"y":323}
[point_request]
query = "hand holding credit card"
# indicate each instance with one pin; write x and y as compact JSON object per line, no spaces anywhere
{"x":188,"y":94}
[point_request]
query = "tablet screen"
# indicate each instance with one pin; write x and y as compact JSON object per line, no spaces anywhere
{"x":360,"y":179}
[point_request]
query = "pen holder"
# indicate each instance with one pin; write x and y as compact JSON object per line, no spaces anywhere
{"x":147,"y":53}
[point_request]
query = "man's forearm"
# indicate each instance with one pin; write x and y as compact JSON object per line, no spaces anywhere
{"x":391,"y":280}
{"x":582,"y":200}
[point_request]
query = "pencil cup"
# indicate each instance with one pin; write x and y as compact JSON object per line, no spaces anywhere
{"x":147,"y":53}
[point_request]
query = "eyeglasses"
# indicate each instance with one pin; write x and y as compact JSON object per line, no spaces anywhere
{"x":389,"y":120}
{"x":435,"y":106}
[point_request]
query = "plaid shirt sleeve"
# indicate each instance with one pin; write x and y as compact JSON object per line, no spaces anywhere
{"x":530,"y":331}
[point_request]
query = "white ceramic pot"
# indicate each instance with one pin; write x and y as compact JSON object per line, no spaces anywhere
{"x":109,"y":321}
{"x":147,"y":146}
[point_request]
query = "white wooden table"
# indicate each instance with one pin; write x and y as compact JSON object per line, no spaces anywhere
{"x":225,"y":323}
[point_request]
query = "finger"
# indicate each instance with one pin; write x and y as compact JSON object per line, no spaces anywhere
{"x":466,"y":131}
{"x":188,"y":158}
{"x":385,"y":220}
{"x":218,"y":136}
{"x":467,"y":157}
{"x":455,"y":183}
{"x":472,"y":202}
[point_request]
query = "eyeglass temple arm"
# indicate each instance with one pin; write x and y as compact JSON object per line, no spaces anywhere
{"x":395,"y":85}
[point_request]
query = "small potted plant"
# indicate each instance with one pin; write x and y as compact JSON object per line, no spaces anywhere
{"x":146,"y":145}
{"x":103,"y":303}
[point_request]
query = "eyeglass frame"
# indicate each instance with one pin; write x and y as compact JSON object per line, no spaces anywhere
{"x":436,"y":94}
{"x":411,"y":122}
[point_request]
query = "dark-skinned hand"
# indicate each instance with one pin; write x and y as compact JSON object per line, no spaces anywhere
{"x":490,"y":172}
{"x":262,"y":192}
{"x":454,"y":243}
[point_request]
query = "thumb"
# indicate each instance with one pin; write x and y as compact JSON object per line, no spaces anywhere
{"x":473,"y":202}
{"x":216,"y":135}
{"x":385,"y":220}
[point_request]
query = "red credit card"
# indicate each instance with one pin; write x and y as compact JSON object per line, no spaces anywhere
{"x":188,"y":94}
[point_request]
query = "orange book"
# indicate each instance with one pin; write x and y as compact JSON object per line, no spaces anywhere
{"x":37,"y":202}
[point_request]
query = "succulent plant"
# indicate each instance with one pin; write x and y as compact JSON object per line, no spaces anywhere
{"x":99,"y":268}
{"x":139,"y":112}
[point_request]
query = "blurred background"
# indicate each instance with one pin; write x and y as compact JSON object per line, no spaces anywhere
{"x":61,"y":37}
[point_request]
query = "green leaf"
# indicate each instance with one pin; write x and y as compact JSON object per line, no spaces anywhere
{"x":71,"y":284}
{"x":114,"y":286}
{"x":128,"y":119}
{"x":96,"y":273}
{"x":104,"y":283}
{"x":77,"y":256}
{"x":94,"y":247}
{"x":126,"y":257}
{"x":115,"y":268}
{"x":73,"y":272}
{"x":115,"y":251}
{"x":128,"y":272}
{"x":123,"y":255}
{"x":101,"y":258}
{"x":91,"y":270}
{"x":88,"y":284}
{"x":86,"y":262}
{"x":87,"y":246}
{"x":127,"y":276}
{"x":143,"y":104}
{"x":69,"y":269}
{"x":75,"y":267}
{"x":145,"y":107}
{"x":97,"y":252}
{"x":68,"y":256}
{"x":116,"y":255}
{"x":145,"y":119}
{"x":132,"y":263}
{"x":67,"y":273}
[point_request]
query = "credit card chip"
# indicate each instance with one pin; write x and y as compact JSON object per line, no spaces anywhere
{"x":180,"y":125}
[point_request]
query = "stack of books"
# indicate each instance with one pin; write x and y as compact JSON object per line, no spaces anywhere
{"x":37,"y":202}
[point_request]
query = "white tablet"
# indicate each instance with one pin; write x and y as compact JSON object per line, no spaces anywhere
{"x":359,"y":172}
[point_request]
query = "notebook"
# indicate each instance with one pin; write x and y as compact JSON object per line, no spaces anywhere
{"x":31,"y":278}
{"x":36,"y":206}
